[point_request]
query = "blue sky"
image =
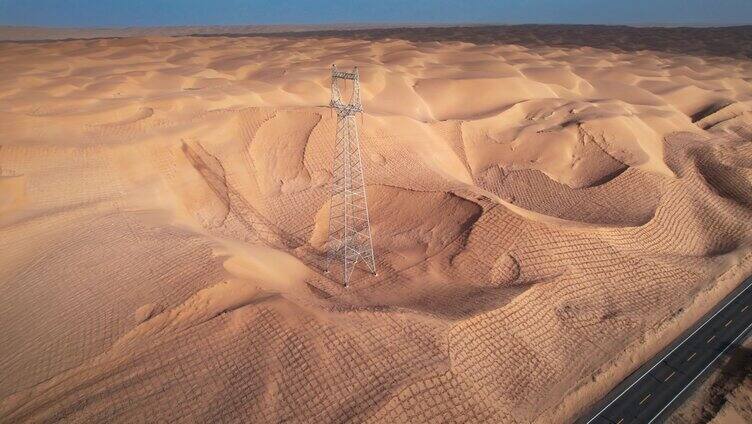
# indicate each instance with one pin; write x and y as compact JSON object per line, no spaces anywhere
{"x":238,"y":12}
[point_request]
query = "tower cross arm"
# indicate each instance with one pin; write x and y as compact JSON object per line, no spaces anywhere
{"x":344,"y":75}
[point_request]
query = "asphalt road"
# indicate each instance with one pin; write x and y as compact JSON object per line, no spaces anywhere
{"x":651,"y":392}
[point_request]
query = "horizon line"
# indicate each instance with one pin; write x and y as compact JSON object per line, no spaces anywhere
{"x":376,"y":25}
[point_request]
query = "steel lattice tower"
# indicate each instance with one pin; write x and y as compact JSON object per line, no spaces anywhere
{"x":349,"y":226}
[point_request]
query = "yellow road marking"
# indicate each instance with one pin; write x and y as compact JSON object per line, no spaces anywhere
{"x":710,"y":339}
{"x":745,"y":308}
{"x":645,"y":398}
{"x":670,"y":375}
{"x":691,"y":356}
{"x":620,"y":420}
{"x":729,"y":322}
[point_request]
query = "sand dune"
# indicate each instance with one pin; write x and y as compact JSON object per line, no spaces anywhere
{"x":544,"y":217}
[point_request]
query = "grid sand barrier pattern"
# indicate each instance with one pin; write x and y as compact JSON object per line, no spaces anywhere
{"x":536,"y":212}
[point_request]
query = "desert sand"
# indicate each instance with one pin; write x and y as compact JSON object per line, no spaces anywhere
{"x":545,"y":215}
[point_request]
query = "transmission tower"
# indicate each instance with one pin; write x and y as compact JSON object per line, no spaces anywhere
{"x":349,"y":226}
